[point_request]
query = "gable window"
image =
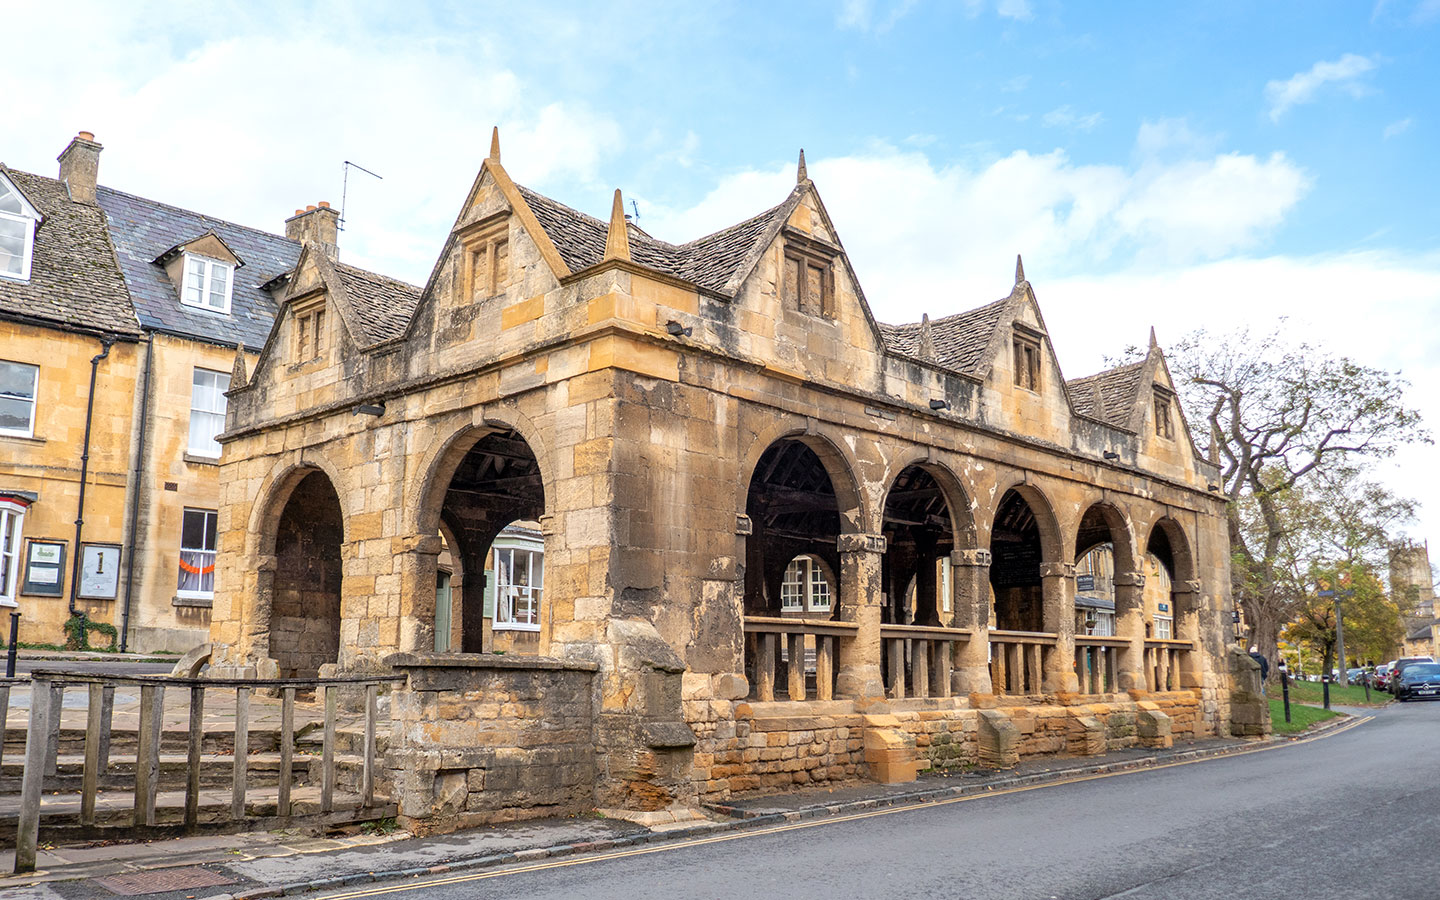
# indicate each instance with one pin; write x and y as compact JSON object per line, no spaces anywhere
{"x":1027,"y":363}
{"x":17,"y":232}
{"x":809,"y":281}
{"x":12,"y":517}
{"x":207,"y":283}
{"x":519,"y":582}
{"x":309,"y":334}
{"x":207,"y":411}
{"x":18,"y":383}
{"x":804,"y":587}
{"x":197,"y":554}
{"x":1164,"y":424}
{"x":487,"y":260}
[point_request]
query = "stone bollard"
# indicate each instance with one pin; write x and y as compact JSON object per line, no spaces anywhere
{"x":1087,"y":735}
{"x":1152,"y":726}
{"x":999,"y":740}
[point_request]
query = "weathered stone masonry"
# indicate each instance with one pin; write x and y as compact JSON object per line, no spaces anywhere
{"x":683,"y":421}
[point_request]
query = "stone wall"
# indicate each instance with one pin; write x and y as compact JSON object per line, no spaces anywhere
{"x":478,"y":738}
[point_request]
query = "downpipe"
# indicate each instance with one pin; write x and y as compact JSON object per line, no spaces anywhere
{"x":105,"y":343}
{"x":137,"y":485}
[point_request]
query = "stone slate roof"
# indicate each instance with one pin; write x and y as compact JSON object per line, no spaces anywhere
{"x":960,"y":340}
{"x":74,"y":278}
{"x":711,"y":262}
{"x":143,"y":229}
{"x":381,"y":306}
{"x":1421,"y":631}
{"x":1108,"y":396}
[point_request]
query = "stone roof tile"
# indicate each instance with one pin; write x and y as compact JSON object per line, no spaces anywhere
{"x":382,"y":306}
{"x":960,"y":339}
{"x":1108,"y":396}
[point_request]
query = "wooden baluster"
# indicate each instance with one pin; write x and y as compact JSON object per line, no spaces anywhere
{"x":192,"y":757}
{"x":897,"y":668}
{"x":1163,"y":678}
{"x":327,"y":753}
{"x":367,"y":768}
{"x":1082,"y":659}
{"x":90,"y":780}
{"x":765,"y":667}
{"x":287,"y":749}
{"x":825,"y":667}
{"x":240,"y":768}
{"x":795,"y":677}
{"x":37,"y":742}
{"x":147,"y":751}
{"x":1016,"y":665}
{"x":57,"y":709}
{"x":997,"y":667}
{"x":4,"y":717}
{"x":920,"y":667}
{"x":107,"y":719}
{"x":944,"y":665}
{"x":1037,"y":665}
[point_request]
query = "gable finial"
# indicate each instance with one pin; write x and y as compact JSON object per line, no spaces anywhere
{"x":801,"y":176}
{"x":1154,"y":344}
{"x":495,"y":143}
{"x":238,"y":377}
{"x":927,"y":340}
{"x":1019,"y":269}
{"x":617,"y":239}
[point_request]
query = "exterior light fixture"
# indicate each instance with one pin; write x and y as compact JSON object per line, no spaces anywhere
{"x":1111,"y":454}
{"x":676,"y":329}
{"x":938,"y":405}
{"x":369,"y":409}
{"x":1214,"y":488}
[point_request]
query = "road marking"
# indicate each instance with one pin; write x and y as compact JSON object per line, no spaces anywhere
{"x":816,"y":823}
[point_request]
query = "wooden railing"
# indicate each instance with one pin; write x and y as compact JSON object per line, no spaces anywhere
{"x":1017,"y":660}
{"x":43,"y":737}
{"x":921,"y":655}
{"x":1097,"y":662}
{"x":1163,"y":663}
{"x":778,"y":654}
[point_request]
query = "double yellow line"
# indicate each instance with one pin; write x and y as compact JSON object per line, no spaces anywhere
{"x":817,"y":823}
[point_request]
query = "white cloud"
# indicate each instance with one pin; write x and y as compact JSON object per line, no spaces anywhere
{"x":1345,"y":73}
{"x":860,"y":15}
{"x":1015,"y":9}
{"x":1426,"y":11}
{"x":1395,"y":129}
{"x":1067,"y":117}
{"x":1167,"y":137}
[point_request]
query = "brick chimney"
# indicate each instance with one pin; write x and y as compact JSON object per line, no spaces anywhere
{"x":318,"y":225}
{"x":80,"y":167}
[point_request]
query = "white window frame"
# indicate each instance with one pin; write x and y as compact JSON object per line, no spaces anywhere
{"x":207,"y":281}
{"x":212,"y":552}
{"x":30,"y":217}
{"x":12,"y":525}
{"x":508,"y":595}
{"x":33,"y":399}
{"x":209,"y":447}
{"x":804,"y":584}
{"x":1164,"y":628}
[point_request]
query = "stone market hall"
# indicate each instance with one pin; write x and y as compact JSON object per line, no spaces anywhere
{"x":648,"y":525}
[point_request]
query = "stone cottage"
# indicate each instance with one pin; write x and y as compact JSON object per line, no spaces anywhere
{"x":779,"y":542}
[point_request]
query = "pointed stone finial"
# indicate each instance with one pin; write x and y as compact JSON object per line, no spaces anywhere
{"x":617,"y":240}
{"x":801,"y":176}
{"x":237,"y":371}
{"x":927,"y":340}
{"x":1153,"y":343}
{"x":1019,"y":269}
{"x":495,"y":143}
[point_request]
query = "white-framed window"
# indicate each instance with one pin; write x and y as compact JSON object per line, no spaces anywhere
{"x":17,"y":232}
{"x":519,"y":584}
{"x":1164,"y":628}
{"x":18,"y":384}
{"x":12,"y":521}
{"x":197,"y":554}
{"x":804,"y":586}
{"x":207,"y":283}
{"x":207,"y":411}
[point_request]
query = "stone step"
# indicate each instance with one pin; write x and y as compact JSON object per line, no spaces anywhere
{"x":215,"y":770}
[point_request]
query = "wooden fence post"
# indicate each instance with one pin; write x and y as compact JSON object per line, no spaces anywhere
{"x":37,"y":743}
{"x":242,"y":753}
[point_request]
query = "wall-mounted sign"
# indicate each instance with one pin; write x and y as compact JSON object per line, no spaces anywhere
{"x":99,"y":571}
{"x":44,"y":569}
{"x":1164,"y":607}
{"x":1084,"y":582}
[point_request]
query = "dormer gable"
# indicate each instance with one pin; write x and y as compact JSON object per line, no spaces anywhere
{"x":18,"y":221}
{"x":202,"y":270}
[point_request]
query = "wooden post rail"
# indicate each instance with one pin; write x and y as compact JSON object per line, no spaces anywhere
{"x":1017,"y":660}
{"x":1097,"y":660}
{"x":923,"y":656}
{"x":767,"y":636}
{"x":1163,"y":663}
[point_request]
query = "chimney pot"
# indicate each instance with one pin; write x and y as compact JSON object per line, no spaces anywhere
{"x":318,"y":226}
{"x":299,"y":212}
{"x":80,"y":167}
{"x":310,"y":208}
{"x":86,"y":136}
{"x":324,"y":204}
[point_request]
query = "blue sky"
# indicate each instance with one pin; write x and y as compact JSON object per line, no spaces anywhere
{"x":1157,"y":163}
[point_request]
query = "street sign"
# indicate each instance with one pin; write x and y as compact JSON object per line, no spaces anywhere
{"x":1084,"y":582}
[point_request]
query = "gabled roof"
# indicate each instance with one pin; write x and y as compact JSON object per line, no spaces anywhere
{"x":179,"y":248}
{"x":960,"y":340}
{"x":74,"y":278}
{"x":1108,"y":396}
{"x":716,"y":262}
{"x":380,"y":306}
{"x":144,"y":229}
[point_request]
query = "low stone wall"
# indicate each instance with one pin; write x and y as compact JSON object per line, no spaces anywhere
{"x":479,"y":738}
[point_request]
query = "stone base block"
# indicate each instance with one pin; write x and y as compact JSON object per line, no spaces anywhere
{"x":999,"y":740}
{"x":1152,"y":727}
{"x":889,"y":752}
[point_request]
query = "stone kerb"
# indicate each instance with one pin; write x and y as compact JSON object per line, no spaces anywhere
{"x":479,"y":738}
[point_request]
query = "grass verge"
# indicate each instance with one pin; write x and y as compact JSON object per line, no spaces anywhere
{"x":1301,"y":716}
{"x":1313,"y":692}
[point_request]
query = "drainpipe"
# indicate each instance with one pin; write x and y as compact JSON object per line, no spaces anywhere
{"x":137,"y":485}
{"x":105,"y":343}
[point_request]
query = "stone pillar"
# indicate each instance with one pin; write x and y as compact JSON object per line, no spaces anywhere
{"x":1185,"y":597}
{"x":1130,"y":624}
{"x":861,"y":557}
{"x":1058,"y":593}
{"x":970,"y":583}
{"x":416,"y":558}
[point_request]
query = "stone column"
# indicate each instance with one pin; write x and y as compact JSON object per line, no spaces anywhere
{"x":861,"y":556}
{"x":970,"y":584}
{"x":1130,"y":624}
{"x":1058,"y":593}
{"x":415,"y":562}
{"x":1185,"y":598}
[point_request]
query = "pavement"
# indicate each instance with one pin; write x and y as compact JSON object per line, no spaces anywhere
{"x":267,"y":864}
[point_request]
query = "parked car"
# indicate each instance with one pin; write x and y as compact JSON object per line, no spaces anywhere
{"x":1380,"y":677}
{"x":1354,"y":676}
{"x":1400,"y":665}
{"x":1418,"y":681}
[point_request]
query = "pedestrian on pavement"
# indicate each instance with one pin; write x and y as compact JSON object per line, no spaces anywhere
{"x":1259,"y":657}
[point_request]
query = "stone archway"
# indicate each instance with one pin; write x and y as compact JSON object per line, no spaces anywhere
{"x":305,"y":595}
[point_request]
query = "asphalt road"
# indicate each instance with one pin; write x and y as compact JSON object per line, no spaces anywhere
{"x":102,"y":667}
{"x":1353,"y":815}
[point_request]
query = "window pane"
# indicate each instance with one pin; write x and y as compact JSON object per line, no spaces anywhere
{"x":192,"y":530}
{"x":17,"y":380}
{"x":219,"y":285}
{"x":9,"y":202}
{"x":14,"y":235}
{"x":212,"y":520}
{"x":15,"y":414}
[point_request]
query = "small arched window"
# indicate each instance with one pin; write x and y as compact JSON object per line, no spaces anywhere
{"x":805,"y":586}
{"x":17,"y":232}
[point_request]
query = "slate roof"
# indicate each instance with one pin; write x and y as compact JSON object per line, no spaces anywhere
{"x":960,"y":340}
{"x":711,"y":262}
{"x":74,"y":278}
{"x":381,"y":306}
{"x":143,"y":229}
{"x":1108,"y":396}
